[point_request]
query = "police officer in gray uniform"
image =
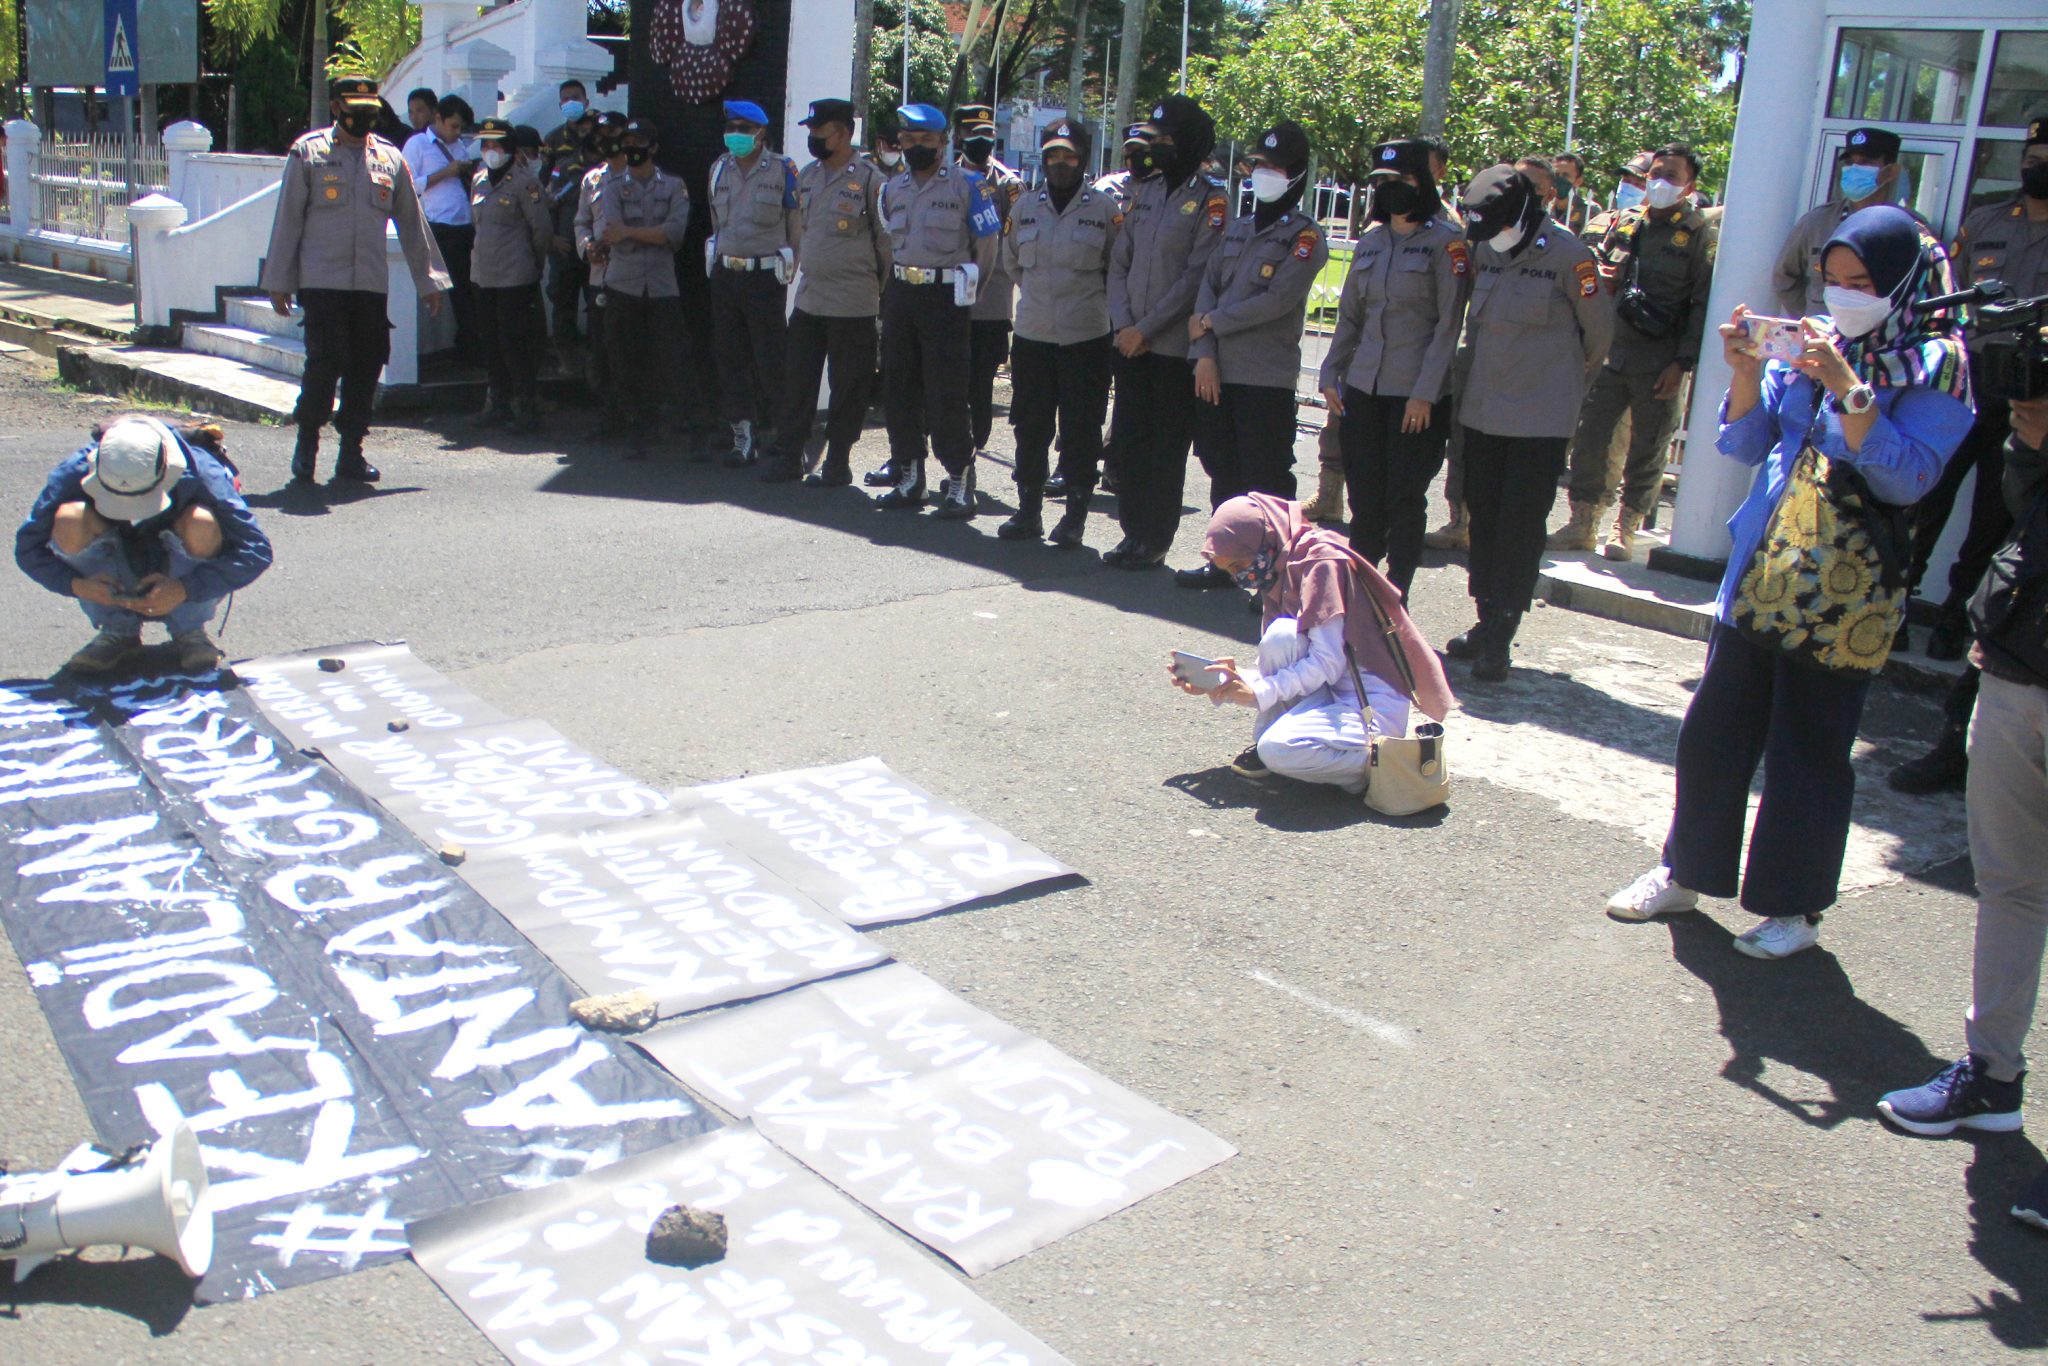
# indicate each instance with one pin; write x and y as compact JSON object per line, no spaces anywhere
{"x":1056,"y":245}
{"x":1539,"y":324}
{"x":943,"y":235}
{"x":1388,"y":372}
{"x":341,"y":186}
{"x":1245,"y":334}
{"x":639,"y":215}
{"x":995,"y":300}
{"x":1170,"y":231}
{"x":842,"y":259}
{"x":610,"y":153}
{"x":752,"y":258}
{"x":513,"y":233}
{"x":1867,"y":174}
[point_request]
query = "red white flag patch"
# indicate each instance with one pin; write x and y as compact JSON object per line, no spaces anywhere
{"x":1589,"y":279}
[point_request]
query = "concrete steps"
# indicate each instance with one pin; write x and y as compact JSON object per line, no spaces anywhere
{"x":255,"y":334}
{"x":202,"y":382}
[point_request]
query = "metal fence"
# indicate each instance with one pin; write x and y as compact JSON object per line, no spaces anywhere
{"x":82,"y":184}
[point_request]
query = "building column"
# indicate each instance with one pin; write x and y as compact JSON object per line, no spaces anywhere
{"x":24,"y":196}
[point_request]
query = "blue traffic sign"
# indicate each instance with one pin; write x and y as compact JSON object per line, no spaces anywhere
{"x":121,"y":35}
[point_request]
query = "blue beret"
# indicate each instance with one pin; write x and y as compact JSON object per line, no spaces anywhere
{"x":922,"y":118}
{"x":747,"y":110}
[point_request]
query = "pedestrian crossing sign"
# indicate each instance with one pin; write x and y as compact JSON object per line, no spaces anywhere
{"x":120,"y":31}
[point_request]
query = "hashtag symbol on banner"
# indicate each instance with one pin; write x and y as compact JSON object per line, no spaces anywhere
{"x":346,"y":1237}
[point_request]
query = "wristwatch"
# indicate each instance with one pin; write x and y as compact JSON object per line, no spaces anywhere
{"x":1860,"y":399}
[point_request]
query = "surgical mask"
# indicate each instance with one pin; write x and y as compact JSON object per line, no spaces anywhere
{"x":2034,"y":180}
{"x":978,"y":150}
{"x":1627,"y":196}
{"x":815,"y":145}
{"x":1507,"y":239}
{"x":921,"y":158}
{"x":358,"y":123}
{"x":1858,"y":182}
{"x":1855,"y":313}
{"x":890,"y":159}
{"x":1661,"y":194}
{"x":572,"y":110}
{"x":639,"y":156}
{"x":496,"y":159}
{"x":1269,"y":184}
{"x":741,"y":144}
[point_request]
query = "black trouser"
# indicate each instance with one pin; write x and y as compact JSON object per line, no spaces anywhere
{"x":1990,"y":520}
{"x":457,"y":241}
{"x":1155,"y":400}
{"x":508,"y":321}
{"x":847,"y":347}
{"x":348,"y":339}
{"x":1388,"y":473}
{"x":1119,"y":427}
{"x":924,"y":386}
{"x":751,"y":330}
{"x":1246,"y":442}
{"x":987,"y":351}
{"x":1510,"y":485}
{"x":1065,"y":387}
{"x":568,"y":277}
{"x":1756,"y":704}
{"x":600,"y":352}
{"x":639,"y":329}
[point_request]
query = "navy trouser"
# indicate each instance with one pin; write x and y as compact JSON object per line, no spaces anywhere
{"x":925,"y":336}
{"x":1510,"y":485}
{"x":1388,"y":472}
{"x":1755,"y":704}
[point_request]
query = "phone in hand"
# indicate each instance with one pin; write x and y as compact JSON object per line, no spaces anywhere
{"x":1194,"y":671}
{"x":1774,"y":338}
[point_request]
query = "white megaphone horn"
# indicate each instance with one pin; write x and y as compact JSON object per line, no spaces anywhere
{"x":155,"y":1200}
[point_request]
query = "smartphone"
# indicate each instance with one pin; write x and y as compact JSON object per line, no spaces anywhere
{"x":1774,"y":338}
{"x":1194,"y":671}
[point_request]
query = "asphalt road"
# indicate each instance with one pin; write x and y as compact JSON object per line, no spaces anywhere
{"x":1478,"y":1121}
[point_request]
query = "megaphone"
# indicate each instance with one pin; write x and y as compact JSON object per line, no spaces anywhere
{"x":152,"y":1200}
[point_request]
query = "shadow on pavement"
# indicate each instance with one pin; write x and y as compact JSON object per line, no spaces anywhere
{"x":317,"y":500}
{"x":151,"y":1290}
{"x":2008,"y":1249}
{"x":1296,"y":808}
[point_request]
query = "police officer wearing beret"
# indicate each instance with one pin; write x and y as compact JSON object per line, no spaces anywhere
{"x":1868,"y":173}
{"x":1539,"y":325}
{"x":844,"y":258}
{"x":341,"y":186}
{"x":639,"y":215}
{"x":995,"y":298}
{"x":1172,"y":228}
{"x":1056,"y":245}
{"x":513,"y":232}
{"x":1387,"y":376}
{"x":752,"y":257}
{"x":944,"y":235}
{"x":1245,"y":334}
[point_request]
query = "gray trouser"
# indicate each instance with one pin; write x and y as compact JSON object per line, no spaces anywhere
{"x":2008,"y":830}
{"x":1596,"y":463}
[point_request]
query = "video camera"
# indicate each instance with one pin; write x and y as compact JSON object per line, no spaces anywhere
{"x":2012,"y":355}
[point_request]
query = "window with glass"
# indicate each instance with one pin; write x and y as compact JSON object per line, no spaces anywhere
{"x":1994,"y":173}
{"x":1904,"y":75}
{"x":2019,"y":80}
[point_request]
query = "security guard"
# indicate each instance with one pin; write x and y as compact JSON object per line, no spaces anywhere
{"x":1658,"y":262}
{"x":1056,"y":246}
{"x":1172,"y":228}
{"x":341,"y":186}
{"x":1245,"y":334}
{"x":844,"y":258}
{"x":943,"y":236}
{"x":996,"y":297}
{"x":609,"y":152}
{"x":1387,"y":376}
{"x":513,"y":232}
{"x":1866,"y":174}
{"x":752,"y":257}
{"x":1539,"y":324}
{"x":562,"y":171}
{"x":639,"y":215}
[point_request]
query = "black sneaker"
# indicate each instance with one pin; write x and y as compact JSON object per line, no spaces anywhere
{"x":1250,"y":765}
{"x":1960,"y":1096}
{"x":1945,"y":768}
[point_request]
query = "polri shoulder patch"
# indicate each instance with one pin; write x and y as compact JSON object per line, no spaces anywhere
{"x":1219,"y":211}
{"x":1305,"y":245}
{"x":1461,"y":256}
{"x":1589,"y":279}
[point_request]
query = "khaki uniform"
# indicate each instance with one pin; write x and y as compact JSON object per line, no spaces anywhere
{"x":1795,"y":280}
{"x":568,"y":276}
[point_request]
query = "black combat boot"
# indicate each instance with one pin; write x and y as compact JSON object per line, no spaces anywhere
{"x":1469,"y":643}
{"x":1066,"y":534}
{"x":1029,"y":523}
{"x":349,"y":463}
{"x":305,"y":454}
{"x":1496,"y":651}
{"x":835,"y":473}
{"x":1945,"y":768}
{"x":909,"y":490}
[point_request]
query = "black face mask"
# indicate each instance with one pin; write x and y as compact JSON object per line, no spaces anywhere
{"x":1396,"y":197}
{"x":2034,"y":180}
{"x":978,"y":150}
{"x":608,"y":149}
{"x":921,"y":158}
{"x":815,"y":145}
{"x":1142,"y":166}
{"x":639,"y":156}
{"x":1064,"y":179}
{"x":358,"y":123}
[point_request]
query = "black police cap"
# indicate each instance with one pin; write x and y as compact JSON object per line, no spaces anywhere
{"x":1404,"y":156}
{"x":1877,"y":142}
{"x":352,"y":88}
{"x":829,"y":111}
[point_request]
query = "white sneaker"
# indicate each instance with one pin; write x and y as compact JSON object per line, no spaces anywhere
{"x":1651,"y":895}
{"x":1781,"y":936}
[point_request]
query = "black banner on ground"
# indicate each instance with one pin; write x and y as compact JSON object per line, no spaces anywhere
{"x":222,"y":929}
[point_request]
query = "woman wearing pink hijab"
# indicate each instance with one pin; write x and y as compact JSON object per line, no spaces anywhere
{"x":1321,"y":640}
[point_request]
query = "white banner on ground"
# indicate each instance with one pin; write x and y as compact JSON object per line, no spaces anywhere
{"x":561,"y":1274}
{"x":376,"y":686}
{"x":978,"y":1140}
{"x":868,"y":844}
{"x":661,"y":905}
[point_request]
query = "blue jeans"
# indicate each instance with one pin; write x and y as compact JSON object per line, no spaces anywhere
{"x":104,"y":556}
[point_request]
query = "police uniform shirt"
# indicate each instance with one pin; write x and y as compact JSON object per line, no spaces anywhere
{"x":586,"y":221}
{"x":1168,"y":236}
{"x":1538,"y":325}
{"x":332,"y":204}
{"x":1796,"y":280}
{"x":641,"y":269}
{"x":1673,"y":251}
{"x":997,"y":295}
{"x":1255,"y":294}
{"x":1060,"y":261}
{"x":513,"y":229}
{"x":842,"y":249}
{"x":1402,"y":306}
{"x":1118,"y":187}
{"x":938,"y":222}
{"x":753,"y":209}
{"x":1999,"y":242}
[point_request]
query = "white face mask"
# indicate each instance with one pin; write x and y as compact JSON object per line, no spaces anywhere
{"x":1661,"y":194}
{"x":497,"y":160}
{"x":1855,"y":313}
{"x":1507,"y":239}
{"x":1269,"y":184}
{"x":889,"y":158}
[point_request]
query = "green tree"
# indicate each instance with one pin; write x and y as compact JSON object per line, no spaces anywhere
{"x":931,"y":55}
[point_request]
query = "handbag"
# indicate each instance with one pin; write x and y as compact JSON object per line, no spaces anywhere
{"x":1409,"y":773}
{"x":2010,"y":609}
{"x":1827,"y":584}
{"x":1636,"y":308}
